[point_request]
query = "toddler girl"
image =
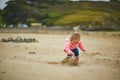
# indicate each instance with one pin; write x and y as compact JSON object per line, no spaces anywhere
{"x":72,"y":45}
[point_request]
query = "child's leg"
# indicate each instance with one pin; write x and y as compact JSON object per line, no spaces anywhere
{"x":76,"y":53}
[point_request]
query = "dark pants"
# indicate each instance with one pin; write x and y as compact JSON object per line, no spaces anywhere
{"x":76,"y":52}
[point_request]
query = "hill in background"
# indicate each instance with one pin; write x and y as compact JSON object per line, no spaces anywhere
{"x":88,"y":15}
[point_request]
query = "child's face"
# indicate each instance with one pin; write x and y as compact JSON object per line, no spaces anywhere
{"x":74,"y":41}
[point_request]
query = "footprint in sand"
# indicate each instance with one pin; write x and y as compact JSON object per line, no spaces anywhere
{"x":52,"y":62}
{"x":32,"y":52}
{"x":96,"y":53}
{"x":0,"y":61}
{"x":3,"y":72}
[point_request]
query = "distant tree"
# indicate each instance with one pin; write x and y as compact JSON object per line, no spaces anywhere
{"x":0,"y":11}
{"x":13,"y":13}
{"x":0,"y":18}
{"x":18,"y":11}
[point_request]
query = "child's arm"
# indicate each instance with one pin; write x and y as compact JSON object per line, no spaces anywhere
{"x":80,"y":45}
{"x":67,"y":49}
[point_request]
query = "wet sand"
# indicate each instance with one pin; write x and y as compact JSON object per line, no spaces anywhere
{"x":41,"y":60}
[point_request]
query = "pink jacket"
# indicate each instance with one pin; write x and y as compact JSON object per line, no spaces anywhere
{"x":69,"y":46}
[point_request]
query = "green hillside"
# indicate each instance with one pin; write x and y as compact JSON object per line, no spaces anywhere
{"x":91,"y":15}
{"x":88,"y":15}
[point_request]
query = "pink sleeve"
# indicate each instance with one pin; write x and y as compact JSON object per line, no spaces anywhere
{"x":67,"y":47}
{"x":80,"y":45}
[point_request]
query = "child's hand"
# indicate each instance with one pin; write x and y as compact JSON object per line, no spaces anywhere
{"x":71,"y":53}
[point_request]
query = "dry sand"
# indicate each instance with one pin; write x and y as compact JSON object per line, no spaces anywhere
{"x":41,"y":60}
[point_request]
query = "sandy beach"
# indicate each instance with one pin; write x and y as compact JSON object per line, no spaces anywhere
{"x":42,"y":60}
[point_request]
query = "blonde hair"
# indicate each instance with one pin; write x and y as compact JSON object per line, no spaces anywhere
{"x":74,"y":36}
